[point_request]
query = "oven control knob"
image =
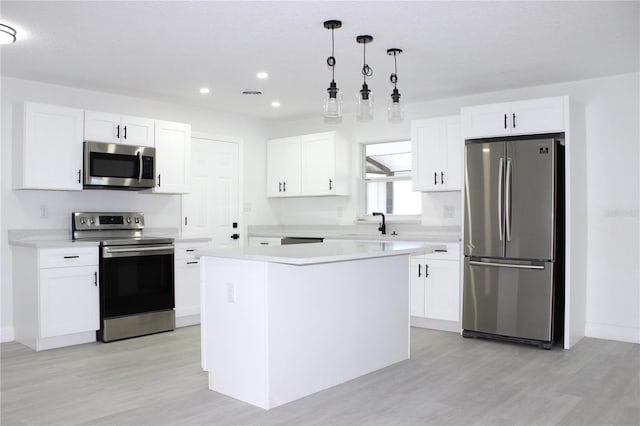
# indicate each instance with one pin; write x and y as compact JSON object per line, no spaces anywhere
{"x":83,"y":220}
{"x":129,"y":219}
{"x":137,"y":219}
{"x":92,"y":220}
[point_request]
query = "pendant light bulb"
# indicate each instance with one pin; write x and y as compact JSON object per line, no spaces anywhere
{"x":364,"y":97}
{"x":395,"y":109}
{"x":332,"y":108}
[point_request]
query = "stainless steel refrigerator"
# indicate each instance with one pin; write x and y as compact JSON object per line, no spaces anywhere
{"x":514,"y":240}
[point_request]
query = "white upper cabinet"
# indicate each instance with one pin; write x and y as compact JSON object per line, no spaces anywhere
{"x":116,"y":128}
{"x":533,"y":116}
{"x":48,"y":152}
{"x":308,"y":165}
{"x":283,"y":167}
{"x":173,"y":157}
{"x":437,"y":154}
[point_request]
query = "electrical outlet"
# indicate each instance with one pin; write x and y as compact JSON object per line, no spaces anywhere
{"x":44,"y":211}
{"x":448,"y":212}
{"x":231,"y":293}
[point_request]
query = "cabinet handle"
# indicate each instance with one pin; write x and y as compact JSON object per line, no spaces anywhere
{"x":79,"y":173}
{"x":279,"y":186}
{"x":419,"y":270}
{"x":442,"y":178}
{"x":190,"y":250}
{"x":330,"y":183}
{"x":426,"y":270}
{"x":284,"y":186}
{"x":505,"y":121}
{"x":514,"y":120}
{"x":185,"y":221}
{"x":71,"y":257}
{"x":125,"y":132}
{"x":95,"y":279}
{"x":158,"y":180}
{"x":195,"y":262}
{"x":118,"y":131}
{"x":435,"y":178}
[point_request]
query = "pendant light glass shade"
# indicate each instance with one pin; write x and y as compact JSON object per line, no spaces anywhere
{"x":364,"y":99}
{"x":395,"y":109}
{"x":332,"y":108}
{"x":7,"y":34}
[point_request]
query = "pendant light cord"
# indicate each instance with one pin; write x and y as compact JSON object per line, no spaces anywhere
{"x":367,"y":71}
{"x":394,"y":76}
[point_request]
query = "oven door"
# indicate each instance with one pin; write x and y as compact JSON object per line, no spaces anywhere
{"x":136,"y":279}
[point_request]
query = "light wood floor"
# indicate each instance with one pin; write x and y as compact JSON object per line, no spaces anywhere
{"x":157,"y":380}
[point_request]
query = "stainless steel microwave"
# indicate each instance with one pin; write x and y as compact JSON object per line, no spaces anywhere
{"x":116,"y":166}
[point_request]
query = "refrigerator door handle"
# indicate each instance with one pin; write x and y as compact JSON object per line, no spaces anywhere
{"x":505,"y":265}
{"x":500,"y":191}
{"x":508,"y":199}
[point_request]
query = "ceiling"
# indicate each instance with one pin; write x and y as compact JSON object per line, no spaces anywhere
{"x":168,"y":50}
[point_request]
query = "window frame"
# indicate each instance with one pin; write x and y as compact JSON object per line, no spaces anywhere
{"x":362,"y":187}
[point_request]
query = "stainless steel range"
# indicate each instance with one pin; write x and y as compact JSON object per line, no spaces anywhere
{"x":136,"y":274}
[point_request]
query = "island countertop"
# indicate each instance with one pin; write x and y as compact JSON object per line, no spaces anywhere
{"x":315,"y":253}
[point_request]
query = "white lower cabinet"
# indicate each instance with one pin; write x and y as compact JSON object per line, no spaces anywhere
{"x":57,"y":299}
{"x":435,"y":289}
{"x":187,"y":282}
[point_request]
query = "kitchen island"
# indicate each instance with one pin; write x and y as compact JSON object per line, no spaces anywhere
{"x":283,"y":322}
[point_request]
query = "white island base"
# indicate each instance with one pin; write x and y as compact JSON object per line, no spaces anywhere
{"x":275,"y":332}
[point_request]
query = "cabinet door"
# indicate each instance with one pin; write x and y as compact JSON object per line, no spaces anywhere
{"x":537,"y":116}
{"x":138,"y":131}
{"x":69,"y":300}
{"x":101,"y":127}
{"x":453,"y":148}
{"x":442,"y":290}
{"x":417,"y":286}
{"x":484,"y":121}
{"x":187,"y":287}
{"x":318,"y":152}
{"x":173,"y":157}
{"x":51,"y":154}
{"x":283,"y":167}
{"x":426,"y":154}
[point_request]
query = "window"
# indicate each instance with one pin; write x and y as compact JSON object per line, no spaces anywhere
{"x":387,"y":179}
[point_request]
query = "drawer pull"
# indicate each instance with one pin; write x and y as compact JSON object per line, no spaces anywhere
{"x":190,"y":250}
{"x":192,"y":263}
{"x":440,"y":251}
{"x":71,"y":257}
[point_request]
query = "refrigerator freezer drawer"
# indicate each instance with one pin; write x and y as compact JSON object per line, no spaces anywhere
{"x":508,"y":299}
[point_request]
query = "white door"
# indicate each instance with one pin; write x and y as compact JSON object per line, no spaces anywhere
{"x":211,"y":208}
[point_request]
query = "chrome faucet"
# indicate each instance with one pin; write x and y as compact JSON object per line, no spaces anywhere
{"x":383,"y":225}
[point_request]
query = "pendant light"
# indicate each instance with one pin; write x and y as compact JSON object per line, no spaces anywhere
{"x":364,"y":104}
{"x":7,"y":34}
{"x":395,"y":110}
{"x":332,"y":110}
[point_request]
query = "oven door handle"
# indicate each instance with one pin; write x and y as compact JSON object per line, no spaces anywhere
{"x":133,"y":251}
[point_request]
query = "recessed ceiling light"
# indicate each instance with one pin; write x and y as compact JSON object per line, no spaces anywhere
{"x":275,"y":104}
{"x":262,"y":75}
{"x":251,"y":92}
{"x":204,"y":90}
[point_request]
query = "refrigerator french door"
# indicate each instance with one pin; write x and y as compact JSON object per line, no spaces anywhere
{"x":511,"y":212}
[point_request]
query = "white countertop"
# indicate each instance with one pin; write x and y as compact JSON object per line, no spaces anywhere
{"x":309,"y":254}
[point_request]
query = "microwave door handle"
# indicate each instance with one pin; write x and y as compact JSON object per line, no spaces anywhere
{"x":139,"y":166}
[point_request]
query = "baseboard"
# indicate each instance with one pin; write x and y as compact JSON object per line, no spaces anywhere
{"x":612,"y":332}
{"x":187,"y":320}
{"x":7,"y":334}
{"x":435,"y":324}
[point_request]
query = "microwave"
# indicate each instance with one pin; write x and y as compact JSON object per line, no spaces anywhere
{"x":117,"y":166}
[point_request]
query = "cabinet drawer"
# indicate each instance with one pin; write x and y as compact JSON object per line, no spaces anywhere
{"x":452,"y":253}
{"x":188,"y":250}
{"x":64,"y":257}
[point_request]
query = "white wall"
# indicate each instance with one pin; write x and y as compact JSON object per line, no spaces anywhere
{"x":21,"y":209}
{"x":610,"y":267}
